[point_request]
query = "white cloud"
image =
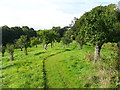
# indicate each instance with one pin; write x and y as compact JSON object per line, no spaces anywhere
{"x":41,"y":14}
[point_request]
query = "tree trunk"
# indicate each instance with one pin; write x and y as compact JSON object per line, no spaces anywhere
{"x":21,"y":48}
{"x":80,"y":46}
{"x":36,"y":46}
{"x":45,"y":46}
{"x":97,"y":52}
{"x":26,"y":51}
{"x":11,"y":56}
{"x":2,"y":54}
{"x":118,"y":56}
{"x":63,"y":46}
{"x":67,"y":45}
{"x":51,"y":45}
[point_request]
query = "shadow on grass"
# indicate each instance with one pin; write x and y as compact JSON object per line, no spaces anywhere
{"x":67,"y":49}
{"x":39,"y":53}
{"x":3,"y":68}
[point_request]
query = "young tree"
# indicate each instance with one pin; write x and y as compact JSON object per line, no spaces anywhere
{"x":34,"y":41}
{"x":48,"y":36}
{"x":19,"y":44}
{"x":23,"y":42}
{"x":66,"y":40}
{"x":53,"y":36}
{"x":10,"y":49}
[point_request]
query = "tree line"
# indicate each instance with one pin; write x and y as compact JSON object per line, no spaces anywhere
{"x":96,"y":27}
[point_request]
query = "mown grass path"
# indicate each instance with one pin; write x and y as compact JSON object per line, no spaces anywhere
{"x":54,"y":77}
{"x":62,"y":69}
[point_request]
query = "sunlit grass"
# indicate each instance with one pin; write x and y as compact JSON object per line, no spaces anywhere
{"x":55,"y":67}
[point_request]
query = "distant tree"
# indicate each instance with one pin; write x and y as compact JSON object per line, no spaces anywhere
{"x":66,"y":40}
{"x":45,"y":38}
{"x":10,"y":34}
{"x":10,"y":49}
{"x":48,"y":36}
{"x":6,"y":35}
{"x":34,"y":41}
{"x":16,"y":32}
{"x":60,"y":31}
{"x":18,"y":44}
{"x":30,"y":32}
{"x":39,"y":35}
{"x":73,"y":22}
{"x":53,"y":37}
{"x":3,"y":50}
{"x":23,"y":42}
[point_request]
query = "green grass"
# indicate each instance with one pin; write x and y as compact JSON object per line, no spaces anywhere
{"x":56,"y":67}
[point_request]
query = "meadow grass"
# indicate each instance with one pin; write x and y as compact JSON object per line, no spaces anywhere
{"x":55,"y":67}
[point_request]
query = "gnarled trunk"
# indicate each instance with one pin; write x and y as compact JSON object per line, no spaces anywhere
{"x":97,"y":52}
{"x":26,"y":53}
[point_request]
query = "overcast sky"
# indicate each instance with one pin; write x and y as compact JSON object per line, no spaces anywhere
{"x":44,"y":14}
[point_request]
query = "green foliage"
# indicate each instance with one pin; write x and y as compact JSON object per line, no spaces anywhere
{"x":66,"y":40}
{"x":100,"y":23}
{"x":10,"y":48}
{"x":22,"y":41}
{"x":110,"y":46}
{"x":3,"y":50}
{"x":60,"y":30}
{"x":48,"y":36}
{"x":10,"y":34}
{"x":34,"y":41}
{"x":98,"y":26}
{"x":30,"y":32}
